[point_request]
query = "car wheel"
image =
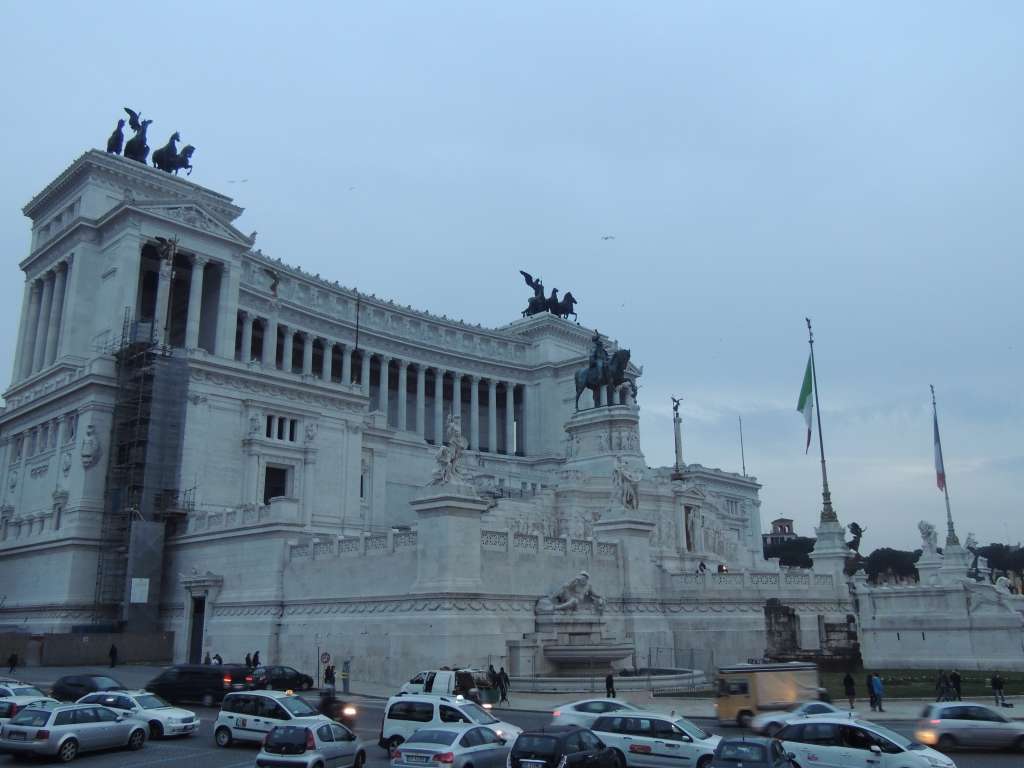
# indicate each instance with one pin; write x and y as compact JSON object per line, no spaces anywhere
{"x":620,"y":759}
{"x":704,"y":762}
{"x":137,"y":739}
{"x":207,"y":699}
{"x":743,"y":719}
{"x":156,"y":729}
{"x":1019,"y":744}
{"x":360,"y":760}
{"x":946,"y":743}
{"x":68,"y":751}
{"x":222,"y":737}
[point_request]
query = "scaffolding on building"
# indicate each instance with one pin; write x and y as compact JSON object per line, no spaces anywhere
{"x":145,"y":459}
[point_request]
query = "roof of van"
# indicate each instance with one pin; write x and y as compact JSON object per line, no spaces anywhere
{"x":787,"y":666}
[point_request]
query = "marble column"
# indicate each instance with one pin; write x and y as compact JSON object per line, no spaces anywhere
{"x":346,"y":365}
{"x":421,"y":399}
{"x":163,"y":299}
{"x":227,"y":310}
{"x":326,"y":372}
{"x":270,"y":343}
{"x":289,"y":349}
{"x":474,"y":413}
{"x":438,"y":406}
{"x":492,"y":416}
{"x":523,"y":420}
{"x":383,"y":399}
{"x":246,"y":353}
{"x":364,"y":373}
{"x":307,"y":353}
{"x":19,"y":353}
{"x":457,"y":396}
{"x":31,"y":328}
{"x":403,"y":394}
{"x":510,"y":418}
{"x":195,"y":303}
{"x":39,"y":358}
{"x":56,"y":313}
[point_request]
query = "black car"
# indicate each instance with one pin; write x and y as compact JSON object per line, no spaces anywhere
{"x":203,"y":683}
{"x":545,"y":748}
{"x":74,"y":687}
{"x":751,"y":752}
{"x":281,"y":679}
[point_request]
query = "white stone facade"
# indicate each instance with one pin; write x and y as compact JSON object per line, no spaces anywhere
{"x":303,"y":450}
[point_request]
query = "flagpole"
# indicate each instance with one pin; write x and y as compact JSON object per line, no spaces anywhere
{"x":743,"y":456}
{"x":951,"y":537}
{"x":828,"y":514}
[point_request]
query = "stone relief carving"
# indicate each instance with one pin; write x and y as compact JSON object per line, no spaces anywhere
{"x":929,"y":538}
{"x":311,"y":430}
{"x":12,"y":479}
{"x":576,"y":595}
{"x":90,"y":447}
{"x":65,"y":463}
{"x":627,"y":485}
{"x":254,"y":425}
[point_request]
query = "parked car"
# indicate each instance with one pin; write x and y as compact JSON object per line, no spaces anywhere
{"x":12,"y":705}
{"x":203,"y":683}
{"x":406,"y":713}
{"x":585,"y":712}
{"x":74,"y":687}
{"x":281,"y":679}
{"x":472,"y":684}
{"x":654,"y":740}
{"x":10,"y":688}
{"x":549,"y":747}
{"x":327,"y":745}
{"x":251,"y":715}
{"x":66,"y":730}
{"x":163,"y":719}
{"x":841,"y":742}
{"x":458,"y":746}
{"x":952,"y":724}
{"x":770,"y":723}
{"x":751,"y":752}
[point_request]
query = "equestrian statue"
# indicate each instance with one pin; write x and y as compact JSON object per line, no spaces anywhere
{"x":167,"y":158}
{"x":604,"y":371}
{"x":539,"y":303}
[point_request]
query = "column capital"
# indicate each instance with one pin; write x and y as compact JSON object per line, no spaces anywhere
{"x":245,"y":314}
{"x":307,"y":335}
{"x":384,"y":359}
{"x":457,"y":375}
{"x":37,"y":284}
{"x":199,"y":261}
{"x":492,"y":383}
{"x":473,"y":378}
{"x":62,"y":266}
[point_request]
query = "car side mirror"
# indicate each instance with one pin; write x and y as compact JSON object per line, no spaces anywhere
{"x":791,"y":755}
{"x":120,"y":718}
{"x":875,"y":750}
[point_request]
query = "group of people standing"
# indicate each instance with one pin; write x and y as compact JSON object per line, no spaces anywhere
{"x":875,"y":687}
{"x":499,"y":679}
{"x":948,"y":686}
{"x":252,"y":660}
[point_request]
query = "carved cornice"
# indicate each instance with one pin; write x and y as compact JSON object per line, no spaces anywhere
{"x":259,"y":383}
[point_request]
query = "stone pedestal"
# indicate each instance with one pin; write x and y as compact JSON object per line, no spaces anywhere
{"x":928,"y":567}
{"x":830,"y":552}
{"x":597,"y":436}
{"x":956,"y":561}
{"x":448,"y":538}
{"x":633,"y":536}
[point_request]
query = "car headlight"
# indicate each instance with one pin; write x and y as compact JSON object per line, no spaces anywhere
{"x":349,"y":711}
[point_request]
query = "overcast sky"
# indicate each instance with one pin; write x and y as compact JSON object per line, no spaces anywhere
{"x":756,"y":162}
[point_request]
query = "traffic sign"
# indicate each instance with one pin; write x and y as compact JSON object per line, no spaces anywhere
{"x":325,"y":658}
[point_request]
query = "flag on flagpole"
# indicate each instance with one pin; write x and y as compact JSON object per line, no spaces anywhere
{"x":806,"y":402}
{"x":940,"y":470}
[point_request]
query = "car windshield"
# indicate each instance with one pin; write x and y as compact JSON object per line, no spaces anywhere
{"x":26,"y":690}
{"x":896,"y":738}
{"x":478,"y":714}
{"x":741,"y":751}
{"x":151,"y":701}
{"x":538,"y":746}
{"x":35,"y":718}
{"x":297,"y":706}
{"x":107,"y":682}
{"x":693,"y":730}
{"x":433,"y":736}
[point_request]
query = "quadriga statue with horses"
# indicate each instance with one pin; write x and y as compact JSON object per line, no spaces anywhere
{"x":603,"y":372}
{"x":540,"y":303}
{"x":167,"y":158}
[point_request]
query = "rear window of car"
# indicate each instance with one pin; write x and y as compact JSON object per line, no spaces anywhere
{"x":738,"y":750}
{"x":433,"y":736}
{"x":287,"y":736}
{"x":27,"y":690}
{"x":34,"y":718}
{"x":417,"y":711}
{"x":542,"y":746}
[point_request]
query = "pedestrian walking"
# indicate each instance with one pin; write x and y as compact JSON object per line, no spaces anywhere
{"x":609,"y":685}
{"x":850,"y":689}
{"x":330,"y":677}
{"x":871,"y":692}
{"x":879,"y":690}
{"x":997,"y":689}
{"x":957,"y":682}
{"x":942,"y":687}
{"x":112,"y":653}
{"x":256,"y":659}
{"x":207,"y":659}
{"x":503,"y":685}
{"x":248,"y":661}
{"x":12,"y":662}
{"x":218,"y":659}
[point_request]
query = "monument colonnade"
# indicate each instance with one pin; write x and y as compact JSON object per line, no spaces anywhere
{"x":42,"y":315}
{"x":395,"y":376}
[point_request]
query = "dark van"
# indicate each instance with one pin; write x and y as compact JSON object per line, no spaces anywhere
{"x":204,"y":683}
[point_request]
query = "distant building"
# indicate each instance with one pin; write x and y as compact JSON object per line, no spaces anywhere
{"x":782,"y":531}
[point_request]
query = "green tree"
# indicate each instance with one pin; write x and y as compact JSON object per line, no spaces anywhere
{"x":794,"y":553}
{"x":885,"y":560}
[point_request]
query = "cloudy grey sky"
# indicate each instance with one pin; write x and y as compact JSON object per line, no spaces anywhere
{"x":757,"y":162}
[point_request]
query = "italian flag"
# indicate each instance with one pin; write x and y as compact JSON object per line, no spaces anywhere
{"x":940,"y":470}
{"x":806,"y":402}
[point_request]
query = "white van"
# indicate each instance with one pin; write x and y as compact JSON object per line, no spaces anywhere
{"x":249,"y":715}
{"x":407,"y":713}
{"x":448,"y":682}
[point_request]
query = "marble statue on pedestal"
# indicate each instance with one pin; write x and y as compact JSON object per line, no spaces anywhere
{"x":447,"y":472}
{"x":929,"y":538}
{"x":573,"y":596}
{"x":626,"y":484}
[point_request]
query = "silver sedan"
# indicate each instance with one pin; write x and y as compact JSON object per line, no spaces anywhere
{"x":952,"y":724}
{"x":456,"y":746}
{"x":66,"y":730}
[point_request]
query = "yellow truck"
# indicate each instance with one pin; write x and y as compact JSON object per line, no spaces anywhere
{"x":744,"y":690}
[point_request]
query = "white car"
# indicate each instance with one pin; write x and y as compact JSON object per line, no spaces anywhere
{"x":12,"y":705}
{"x":584,"y":713}
{"x":407,"y":713}
{"x":163,"y":718}
{"x":11,"y":688}
{"x":841,"y":742}
{"x":250,"y":715}
{"x":769,"y":723}
{"x":655,"y":740}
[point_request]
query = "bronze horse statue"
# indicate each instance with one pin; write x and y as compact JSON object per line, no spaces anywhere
{"x":167,"y":158}
{"x":137,"y":149}
{"x":563,"y":307}
{"x":611,"y":376}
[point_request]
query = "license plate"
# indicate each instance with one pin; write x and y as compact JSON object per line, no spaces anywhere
{"x":532,"y":762}
{"x":17,"y":735}
{"x":416,"y":758}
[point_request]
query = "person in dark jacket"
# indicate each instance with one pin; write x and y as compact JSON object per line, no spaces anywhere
{"x":609,"y":685}
{"x":248,"y":661}
{"x":871,"y":693}
{"x":256,"y":659}
{"x":849,"y":689}
{"x":503,"y":685}
{"x":957,"y":682}
{"x":207,"y":659}
{"x":12,"y":662}
{"x":112,"y":653}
